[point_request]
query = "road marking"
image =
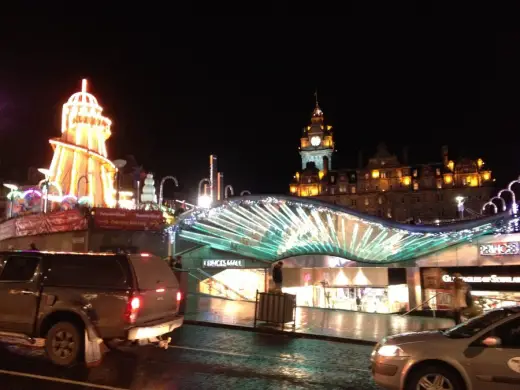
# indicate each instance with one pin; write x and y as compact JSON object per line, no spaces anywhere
{"x":59,"y":380}
{"x":287,"y":358}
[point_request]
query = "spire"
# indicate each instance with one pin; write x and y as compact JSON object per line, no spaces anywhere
{"x":317,"y":113}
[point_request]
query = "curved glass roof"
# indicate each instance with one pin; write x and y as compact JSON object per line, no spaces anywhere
{"x":276,"y":227}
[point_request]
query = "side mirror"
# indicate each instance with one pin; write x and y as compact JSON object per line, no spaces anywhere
{"x":492,"y":342}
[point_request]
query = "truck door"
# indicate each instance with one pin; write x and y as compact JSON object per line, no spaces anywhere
{"x":19,"y":293}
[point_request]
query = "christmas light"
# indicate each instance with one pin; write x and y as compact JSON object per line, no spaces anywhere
{"x":81,"y":151}
{"x":271,"y":228}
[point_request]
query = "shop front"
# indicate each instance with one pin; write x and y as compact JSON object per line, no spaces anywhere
{"x":232,"y":278}
{"x":491,"y":286}
{"x":367,"y":289}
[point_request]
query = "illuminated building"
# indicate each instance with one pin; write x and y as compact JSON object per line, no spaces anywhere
{"x":80,"y":165}
{"x":388,"y":187}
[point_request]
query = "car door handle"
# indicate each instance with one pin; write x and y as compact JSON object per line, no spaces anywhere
{"x":22,"y":292}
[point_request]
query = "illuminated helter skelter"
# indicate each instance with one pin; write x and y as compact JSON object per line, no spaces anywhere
{"x":271,"y":228}
{"x":80,"y":165}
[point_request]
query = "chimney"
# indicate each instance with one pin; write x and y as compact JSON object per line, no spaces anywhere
{"x":360,"y":159}
{"x":325,"y":165}
{"x":445,"y":158}
{"x":405,"y":155}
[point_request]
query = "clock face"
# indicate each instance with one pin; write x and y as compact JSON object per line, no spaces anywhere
{"x":315,"y":141}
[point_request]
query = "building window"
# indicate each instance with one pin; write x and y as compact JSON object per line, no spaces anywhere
{"x":415,"y":173}
{"x":439,"y":183}
{"x":332,"y":192}
{"x":367,"y":176}
{"x":332,"y":179}
{"x":366,"y":202}
{"x":342,"y":188}
{"x":353,"y":189}
{"x":438,"y":171}
{"x":380,"y":200}
{"x":399,"y":173}
{"x":353,"y":202}
{"x":377,"y":188}
{"x":383,"y":175}
{"x":415,"y":186}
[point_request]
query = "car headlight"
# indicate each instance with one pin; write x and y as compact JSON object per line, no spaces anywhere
{"x":391,"y":351}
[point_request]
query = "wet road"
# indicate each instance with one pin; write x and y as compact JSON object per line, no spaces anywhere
{"x":201,"y":358}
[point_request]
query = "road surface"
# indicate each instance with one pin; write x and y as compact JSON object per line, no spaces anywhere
{"x":201,"y":358}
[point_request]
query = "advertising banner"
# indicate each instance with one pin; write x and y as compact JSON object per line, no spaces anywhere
{"x":56,"y":222}
{"x":112,"y":219}
{"x":7,"y":229}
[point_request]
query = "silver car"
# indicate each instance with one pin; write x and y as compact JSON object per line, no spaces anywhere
{"x":481,"y":354}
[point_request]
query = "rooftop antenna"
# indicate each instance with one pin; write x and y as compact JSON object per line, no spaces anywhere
{"x":316,"y":96}
{"x":84,"y":85}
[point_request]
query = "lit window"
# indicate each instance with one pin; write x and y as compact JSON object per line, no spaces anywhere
{"x":342,"y":188}
{"x":383,"y":175}
{"x":399,"y":173}
{"x":366,"y":202}
{"x":439,"y":183}
{"x":438,"y":171}
{"x":375,"y":174}
{"x":380,"y":200}
{"x":353,"y":189}
{"x":415,"y":173}
{"x":415,"y":186}
{"x":448,"y":178}
{"x":367,"y":176}
{"x":333,"y":179}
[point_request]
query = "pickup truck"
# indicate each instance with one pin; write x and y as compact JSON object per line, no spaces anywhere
{"x":61,"y":301}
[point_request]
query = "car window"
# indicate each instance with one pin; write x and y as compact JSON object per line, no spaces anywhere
{"x":18,"y":269}
{"x":509,"y":334}
{"x":152,"y":271}
{"x":86,"y":270}
{"x":477,"y":324}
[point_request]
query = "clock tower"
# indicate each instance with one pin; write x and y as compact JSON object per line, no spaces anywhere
{"x":317,"y":143}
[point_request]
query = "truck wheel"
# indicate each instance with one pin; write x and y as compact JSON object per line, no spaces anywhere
{"x":63,"y":344}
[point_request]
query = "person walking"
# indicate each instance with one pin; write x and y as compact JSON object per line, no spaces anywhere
{"x":460,"y":298}
{"x":278,"y":276}
{"x":178,"y":263}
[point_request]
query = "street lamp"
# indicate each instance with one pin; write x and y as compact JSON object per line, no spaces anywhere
{"x":47,"y":174}
{"x":13,"y":188}
{"x":174,"y":179}
{"x":120,"y":164}
{"x":460,"y":206}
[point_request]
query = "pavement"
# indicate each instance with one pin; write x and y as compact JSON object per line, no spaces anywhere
{"x":201,"y":358}
{"x":327,"y":324}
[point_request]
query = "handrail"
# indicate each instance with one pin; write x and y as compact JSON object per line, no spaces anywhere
{"x":423,"y":303}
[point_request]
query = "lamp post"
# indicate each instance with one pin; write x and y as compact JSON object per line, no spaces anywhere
{"x":163,"y":180}
{"x":47,"y":174}
{"x":120,"y":164}
{"x":460,"y":206}
{"x":204,"y":200}
{"x":13,"y":188}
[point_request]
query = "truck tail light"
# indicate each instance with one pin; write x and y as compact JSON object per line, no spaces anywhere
{"x":179,"y":296}
{"x":132,"y":310}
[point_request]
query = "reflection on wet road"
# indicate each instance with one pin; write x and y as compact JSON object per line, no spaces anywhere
{"x":202,"y":358}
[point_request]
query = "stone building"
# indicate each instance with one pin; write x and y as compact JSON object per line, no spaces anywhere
{"x":390,"y":188}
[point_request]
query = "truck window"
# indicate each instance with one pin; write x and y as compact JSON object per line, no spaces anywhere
{"x":152,"y":271}
{"x":87,"y":271}
{"x":19,"y":269}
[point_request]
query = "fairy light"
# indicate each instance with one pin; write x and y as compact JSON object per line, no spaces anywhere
{"x":81,"y":150}
{"x":273,"y":228}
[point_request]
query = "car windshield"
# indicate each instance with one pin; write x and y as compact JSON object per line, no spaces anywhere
{"x":476,"y":324}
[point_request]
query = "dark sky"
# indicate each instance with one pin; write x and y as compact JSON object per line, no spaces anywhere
{"x":244,"y":90}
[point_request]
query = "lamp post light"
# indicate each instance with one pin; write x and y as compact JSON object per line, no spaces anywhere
{"x":47,"y":174}
{"x":204,"y":200}
{"x":460,"y":206}
{"x":163,"y":180}
{"x":120,"y":164}
{"x":13,"y":188}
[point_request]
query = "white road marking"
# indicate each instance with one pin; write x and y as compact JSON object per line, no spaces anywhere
{"x":220,"y":352}
{"x":59,"y":380}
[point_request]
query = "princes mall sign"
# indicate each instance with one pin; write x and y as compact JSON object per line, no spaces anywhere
{"x":223,"y":263}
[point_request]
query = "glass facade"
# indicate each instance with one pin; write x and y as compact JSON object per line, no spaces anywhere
{"x":240,"y":284}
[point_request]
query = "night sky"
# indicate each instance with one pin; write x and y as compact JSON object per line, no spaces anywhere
{"x":244,"y":91}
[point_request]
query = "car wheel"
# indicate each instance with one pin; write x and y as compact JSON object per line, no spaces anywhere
{"x":63,"y":344}
{"x":433,"y":377}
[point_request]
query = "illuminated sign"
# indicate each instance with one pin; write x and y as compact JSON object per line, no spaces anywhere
{"x":484,"y":279}
{"x":223,"y":263}
{"x":499,"y":249}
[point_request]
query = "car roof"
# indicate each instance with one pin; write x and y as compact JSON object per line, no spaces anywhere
{"x":30,"y":252}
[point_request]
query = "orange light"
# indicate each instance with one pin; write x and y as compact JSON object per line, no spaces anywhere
{"x":406,"y":180}
{"x":486,"y":176}
{"x":448,"y":178}
{"x":375,"y":174}
{"x":294,"y":189}
{"x":480,"y":162}
{"x":321,"y":174}
{"x":451,"y":165}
